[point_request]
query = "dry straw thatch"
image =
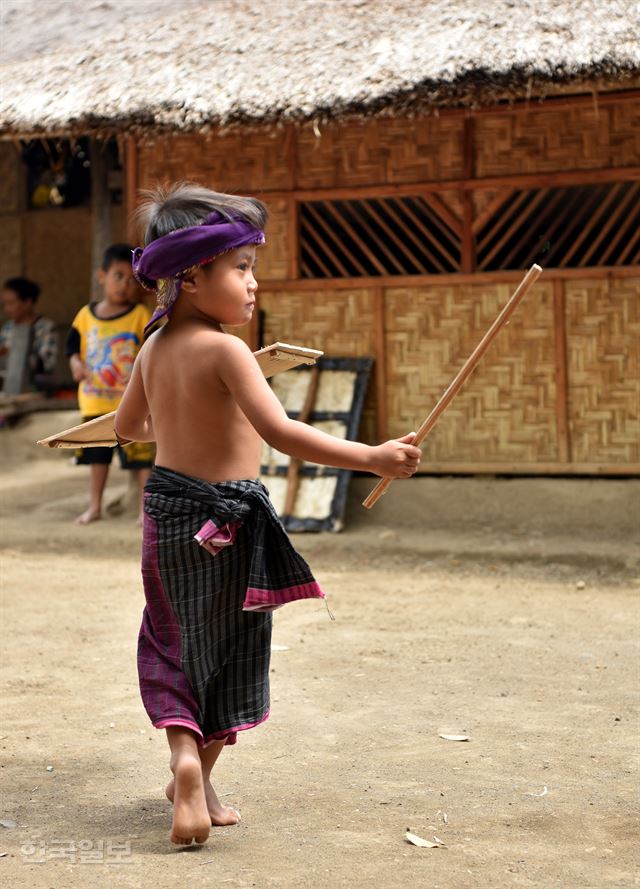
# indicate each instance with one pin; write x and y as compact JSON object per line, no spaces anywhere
{"x":149,"y":65}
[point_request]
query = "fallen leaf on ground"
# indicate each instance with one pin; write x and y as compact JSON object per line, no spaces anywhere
{"x":454,"y":737}
{"x":7,"y":822}
{"x":544,"y":792}
{"x":415,"y":840}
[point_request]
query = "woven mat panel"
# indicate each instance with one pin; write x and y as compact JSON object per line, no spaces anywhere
{"x":63,"y":271}
{"x":603,"y":345}
{"x":625,"y":134}
{"x":506,"y":410}
{"x":340,"y":323}
{"x":240,"y":162}
{"x":541,"y":141}
{"x":10,"y":181}
{"x":11,"y":247}
{"x":272,"y":259}
{"x":380,"y":151}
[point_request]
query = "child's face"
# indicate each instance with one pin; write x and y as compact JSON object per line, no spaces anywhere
{"x":225,"y":290}
{"x":118,"y":284}
{"x":14,"y":308}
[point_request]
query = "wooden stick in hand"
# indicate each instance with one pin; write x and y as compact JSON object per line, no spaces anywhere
{"x":465,"y":372}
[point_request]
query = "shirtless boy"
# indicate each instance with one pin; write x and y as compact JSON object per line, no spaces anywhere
{"x":199,"y":393}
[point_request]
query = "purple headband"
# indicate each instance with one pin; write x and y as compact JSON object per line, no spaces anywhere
{"x":167,"y":259}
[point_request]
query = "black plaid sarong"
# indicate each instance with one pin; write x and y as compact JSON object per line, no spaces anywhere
{"x":205,"y":640}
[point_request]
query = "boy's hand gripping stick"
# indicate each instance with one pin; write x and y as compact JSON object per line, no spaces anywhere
{"x":464,"y":373}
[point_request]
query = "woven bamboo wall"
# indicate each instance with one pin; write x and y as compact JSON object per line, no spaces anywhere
{"x":340,"y":323}
{"x":568,"y":139}
{"x":380,"y":151}
{"x":240,"y":162}
{"x":603,"y":346}
{"x":506,"y":412}
{"x":511,"y":411}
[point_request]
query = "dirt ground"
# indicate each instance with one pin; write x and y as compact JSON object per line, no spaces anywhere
{"x":504,"y":610}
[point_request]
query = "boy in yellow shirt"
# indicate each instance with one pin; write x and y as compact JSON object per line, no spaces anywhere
{"x":102,"y":345}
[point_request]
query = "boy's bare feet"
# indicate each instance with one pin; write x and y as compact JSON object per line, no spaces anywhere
{"x":191,"y":819}
{"x":88,"y":516}
{"x":221,"y":816}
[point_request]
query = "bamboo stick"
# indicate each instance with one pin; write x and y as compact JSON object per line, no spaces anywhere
{"x":463,"y":374}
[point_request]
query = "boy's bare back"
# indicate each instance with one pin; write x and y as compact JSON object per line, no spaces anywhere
{"x":199,"y":427}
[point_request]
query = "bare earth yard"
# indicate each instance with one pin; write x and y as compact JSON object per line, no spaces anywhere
{"x":504,"y":610}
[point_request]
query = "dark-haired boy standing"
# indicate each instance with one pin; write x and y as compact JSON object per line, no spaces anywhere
{"x":102,"y":345}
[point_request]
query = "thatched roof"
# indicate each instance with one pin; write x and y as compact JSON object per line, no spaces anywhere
{"x":113,"y":65}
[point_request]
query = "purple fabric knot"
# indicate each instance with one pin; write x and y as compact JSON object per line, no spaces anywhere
{"x":168,"y":258}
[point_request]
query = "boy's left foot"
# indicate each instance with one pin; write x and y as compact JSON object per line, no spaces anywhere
{"x":221,"y":816}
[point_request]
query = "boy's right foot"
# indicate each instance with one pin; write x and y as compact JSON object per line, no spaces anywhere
{"x":191,"y":819}
{"x":221,"y":816}
{"x":90,"y":515}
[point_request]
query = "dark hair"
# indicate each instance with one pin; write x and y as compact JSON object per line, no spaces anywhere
{"x":167,"y":208}
{"x":116,"y":253}
{"x":25,"y":290}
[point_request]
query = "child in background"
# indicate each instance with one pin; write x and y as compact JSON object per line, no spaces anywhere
{"x":28,"y":340}
{"x":102,"y":345}
{"x":216,"y":559}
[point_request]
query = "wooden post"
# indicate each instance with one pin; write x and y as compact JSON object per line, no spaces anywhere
{"x":131,"y":186}
{"x":468,"y":244}
{"x":100,"y":210}
{"x":380,"y":369}
{"x":562,"y":389}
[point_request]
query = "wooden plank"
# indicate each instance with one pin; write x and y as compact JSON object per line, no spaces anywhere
{"x":499,"y":222}
{"x":616,"y":214}
{"x":562,"y":388}
{"x":332,"y":237}
{"x":362,"y":208}
{"x":412,"y":236}
{"x":491,"y":209}
{"x":443,"y":212}
{"x":611,"y":198}
{"x":529,"y":207}
{"x":293,"y":472}
{"x":391,"y":234}
{"x":131,"y":186}
{"x":624,"y":226}
{"x":468,"y":252}
{"x":356,"y":237}
{"x":293,"y":238}
{"x":445,"y":279}
{"x":634,"y":242}
{"x":100,"y":211}
{"x":380,"y":367}
{"x":557,"y":220}
{"x":519,"y":181}
{"x":429,"y":237}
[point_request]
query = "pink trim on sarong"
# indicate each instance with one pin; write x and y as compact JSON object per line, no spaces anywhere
{"x":268,"y":600}
{"x":229,"y":735}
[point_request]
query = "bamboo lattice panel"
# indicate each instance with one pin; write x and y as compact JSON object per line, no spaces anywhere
{"x":603,"y":345}
{"x":506,"y":412}
{"x":341,"y":323}
{"x":380,"y":151}
{"x":239,"y":162}
{"x":568,"y":139}
{"x":564,"y":227}
{"x":405,"y":235}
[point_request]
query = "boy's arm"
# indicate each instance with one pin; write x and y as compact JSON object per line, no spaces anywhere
{"x":79,"y":369}
{"x":132,"y":420}
{"x":241,"y":374}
